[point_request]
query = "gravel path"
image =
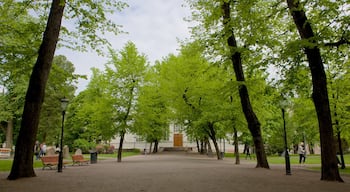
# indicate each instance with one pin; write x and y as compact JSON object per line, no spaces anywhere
{"x":177,"y":172}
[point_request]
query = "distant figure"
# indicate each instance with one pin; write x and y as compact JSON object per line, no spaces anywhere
{"x":57,"y":149}
{"x":248,"y":152}
{"x":37,"y":150}
{"x":43,"y":149}
{"x":302,"y":153}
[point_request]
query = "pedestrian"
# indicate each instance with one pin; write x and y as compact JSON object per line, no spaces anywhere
{"x":248,"y":152}
{"x":37,"y":150}
{"x":43,"y":149}
{"x":302,"y":153}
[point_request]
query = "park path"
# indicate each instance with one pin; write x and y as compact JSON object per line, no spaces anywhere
{"x":172,"y":172}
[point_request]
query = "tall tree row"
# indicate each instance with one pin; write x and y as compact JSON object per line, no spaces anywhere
{"x":225,"y":73}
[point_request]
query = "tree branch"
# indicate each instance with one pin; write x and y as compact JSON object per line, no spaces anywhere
{"x":342,"y":41}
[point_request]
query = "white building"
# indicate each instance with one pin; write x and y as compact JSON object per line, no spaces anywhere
{"x":177,"y":139}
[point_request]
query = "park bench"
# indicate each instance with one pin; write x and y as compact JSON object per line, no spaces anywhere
{"x":79,"y":159}
{"x":5,"y":152}
{"x":50,"y":161}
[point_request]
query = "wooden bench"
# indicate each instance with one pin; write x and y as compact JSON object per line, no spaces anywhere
{"x":5,"y":152}
{"x":79,"y":159}
{"x":50,"y":161}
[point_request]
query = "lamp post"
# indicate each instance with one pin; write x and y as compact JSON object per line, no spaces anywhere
{"x":286,"y":154}
{"x":64,"y":103}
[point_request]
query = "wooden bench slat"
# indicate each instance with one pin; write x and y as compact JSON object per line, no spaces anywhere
{"x":5,"y":152}
{"x":79,"y":159}
{"x":50,"y":161}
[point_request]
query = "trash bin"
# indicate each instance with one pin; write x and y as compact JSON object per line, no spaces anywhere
{"x":93,"y":157}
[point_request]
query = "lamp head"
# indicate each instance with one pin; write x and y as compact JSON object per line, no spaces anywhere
{"x":64,"y":104}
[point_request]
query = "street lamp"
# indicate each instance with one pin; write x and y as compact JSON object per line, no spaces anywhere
{"x":286,"y":154}
{"x":64,"y":103}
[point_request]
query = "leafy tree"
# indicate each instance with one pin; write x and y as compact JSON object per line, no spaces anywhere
{"x":23,"y":160}
{"x":19,"y":43}
{"x":197,"y":94}
{"x":60,"y":85}
{"x":125,"y":75}
{"x":92,"y":114}
{"x":152,"y":116}
{"x":217,"y":20}
{"x":320,"y":94}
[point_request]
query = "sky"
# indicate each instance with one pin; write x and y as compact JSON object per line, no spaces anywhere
{"x":154,"y":26}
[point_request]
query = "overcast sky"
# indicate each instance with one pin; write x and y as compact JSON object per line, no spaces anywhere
{"x":153,"y":25}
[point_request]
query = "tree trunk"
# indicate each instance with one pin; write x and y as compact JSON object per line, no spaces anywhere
{"x":9,"y":134}
{"x":252,"y":119}
{"x":23,"y":161}
{"x":235,"y":138}
{"x":212,"y":136}
{"x":208,"y":148}
{"x":202,"y":151}
{"x":155,"y":148}
{"x":120,"y":149}
{"x":198,"y":147}
{"x":150,"y":147}
{"x":320,"y":94}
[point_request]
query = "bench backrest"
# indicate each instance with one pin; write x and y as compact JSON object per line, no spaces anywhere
{"x":5,"y":152}
{"x":50,"y":158}
{"x":77,"y":157}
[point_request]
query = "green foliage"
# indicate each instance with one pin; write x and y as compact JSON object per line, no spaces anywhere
{"x":125,"y":75}
{"x":107,"y":106}
{"x":60,"y":85}
{"x":92,"y":114}
{"x":86,"y":23}
{"x":84,"y":145}
{"x":20,"y":35}
{"x":152,"y":116}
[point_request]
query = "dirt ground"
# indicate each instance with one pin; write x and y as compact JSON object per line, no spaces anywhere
{"x":177,"y":172}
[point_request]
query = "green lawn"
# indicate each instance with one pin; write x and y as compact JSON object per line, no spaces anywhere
{"x":5,"y":164}
{"x":314,"y":160}
{"x":294,"y":159}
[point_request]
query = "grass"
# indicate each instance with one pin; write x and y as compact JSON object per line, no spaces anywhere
{"x":6,"y":164}
{"x":314,"y":160}
{"x":294,"y":159}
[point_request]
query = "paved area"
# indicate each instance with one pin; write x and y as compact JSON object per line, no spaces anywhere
{"x":172,"y":172}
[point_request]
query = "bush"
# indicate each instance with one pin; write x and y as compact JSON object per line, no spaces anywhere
{"x":84,"y":145}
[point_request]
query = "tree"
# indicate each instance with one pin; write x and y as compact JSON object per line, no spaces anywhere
{"x":219,"y":22}
{"x":91,"y":120}
{"x":125,"y":75}
{"x":253,"y":122}
{"x":19,"y":44}
{"x":320,"y":94}
{"x":23,"y":160}
{"x":60,"y":85}
{"x":197,"y":94}
{"x":152,"y":116}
